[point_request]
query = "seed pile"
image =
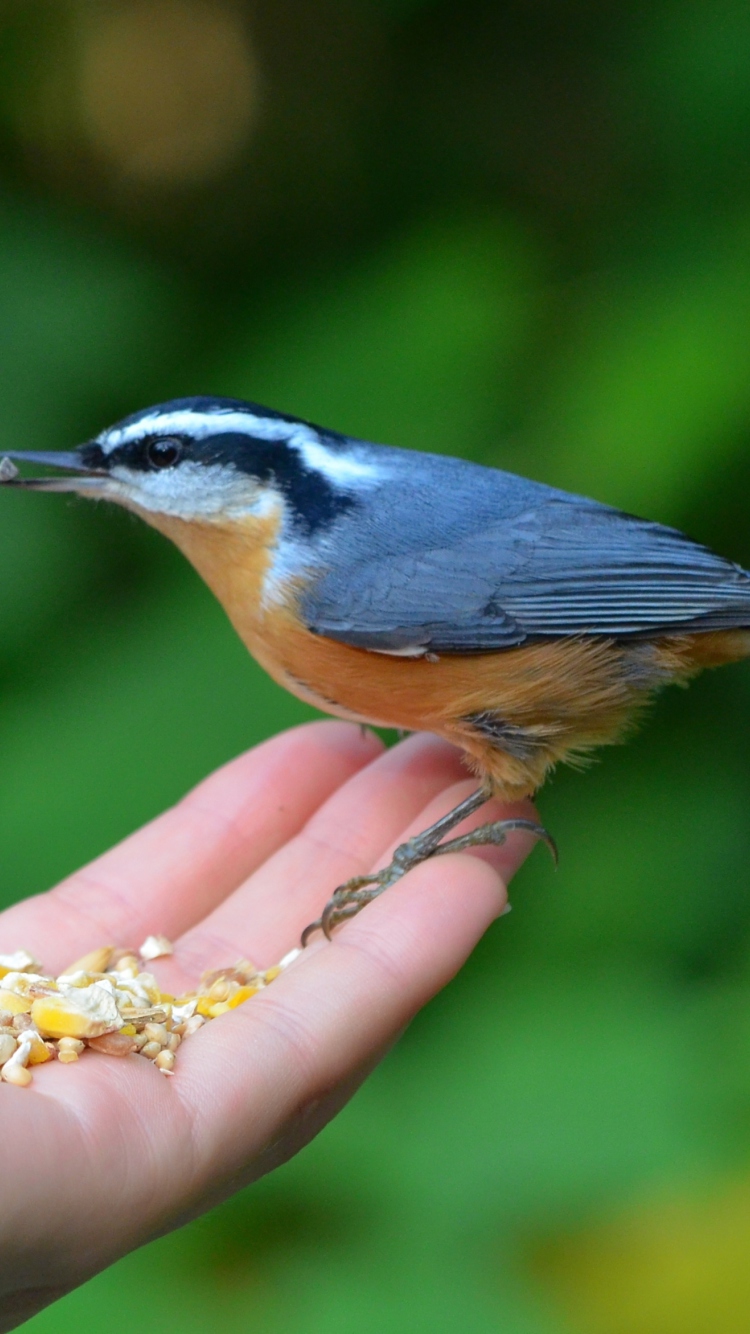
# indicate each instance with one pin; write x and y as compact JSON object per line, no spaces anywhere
{"x":108,"y":1002}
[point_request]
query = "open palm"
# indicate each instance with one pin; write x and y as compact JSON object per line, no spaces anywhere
{"x":105,"y":1154}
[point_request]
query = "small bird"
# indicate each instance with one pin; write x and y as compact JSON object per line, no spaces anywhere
{"x":524,"y":624}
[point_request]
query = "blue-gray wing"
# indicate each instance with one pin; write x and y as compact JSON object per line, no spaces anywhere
{"x":562,"y":567}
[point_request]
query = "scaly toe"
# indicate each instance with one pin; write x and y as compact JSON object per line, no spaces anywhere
{"x":346,"y":901}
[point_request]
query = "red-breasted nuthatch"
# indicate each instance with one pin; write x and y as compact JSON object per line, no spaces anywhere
{"x":524,"y":624}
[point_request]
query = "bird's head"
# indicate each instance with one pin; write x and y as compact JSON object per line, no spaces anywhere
{"x":213,"y":461}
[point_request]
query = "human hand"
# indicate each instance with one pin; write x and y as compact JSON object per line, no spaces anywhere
{"x":102,"y":1156}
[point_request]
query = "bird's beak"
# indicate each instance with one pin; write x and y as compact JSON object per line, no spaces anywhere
{"x":84,"y":478}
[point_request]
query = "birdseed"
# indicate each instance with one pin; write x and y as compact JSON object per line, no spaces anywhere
{"x":109,"y":1003}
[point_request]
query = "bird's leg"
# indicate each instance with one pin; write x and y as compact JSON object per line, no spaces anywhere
{"x":350,"y":898}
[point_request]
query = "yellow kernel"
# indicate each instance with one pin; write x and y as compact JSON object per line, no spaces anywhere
{"x":39,"y":1052}
{"x":129,"y":1030}
{"x":10,"y":1003}
{"x":156,"y":1033}
{"x":219,"y":1007}
{"x":241,"y":996}
{"x":127,"y":964}
{"x":271,"y":973}
{"x":95,"y":961}
{"x":67,"y":1057}
{"x":165,"y":998}
{"x":151,"y":1050}
{"x":63,"y":1016}
{"x":203,"y":1007}
{"x":13,"y":1073}
{"x":70,"y":1044}
{"x":8,"y":1045}
{"x":165,"y":1060}
{"x":219,"y":991}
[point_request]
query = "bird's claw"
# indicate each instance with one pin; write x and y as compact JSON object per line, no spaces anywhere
{"x":350,"y":898}
{"x":346,"y":901}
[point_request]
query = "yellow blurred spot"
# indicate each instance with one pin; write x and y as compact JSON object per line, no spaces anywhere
{"x":168,"y":88}
{"x":677,"y":1267}
{"x":271,"y":973}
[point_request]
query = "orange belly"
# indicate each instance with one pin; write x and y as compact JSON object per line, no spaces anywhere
{"x":515,"y":713}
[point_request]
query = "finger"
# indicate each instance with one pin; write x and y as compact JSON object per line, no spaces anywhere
{"x":355,"y":831}
{"x":332,"y":1012}
{"x":178,"y":867}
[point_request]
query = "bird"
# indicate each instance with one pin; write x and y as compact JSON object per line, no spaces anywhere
{"x":525,"y":624}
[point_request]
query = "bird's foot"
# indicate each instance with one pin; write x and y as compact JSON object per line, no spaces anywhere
{"x":350,"y":898}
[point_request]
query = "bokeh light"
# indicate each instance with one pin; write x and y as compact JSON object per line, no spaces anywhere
{"x":168,"y":88}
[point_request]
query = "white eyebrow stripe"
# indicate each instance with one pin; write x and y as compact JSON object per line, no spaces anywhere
{"x":344,"y":465}
{"x":199,"y":425}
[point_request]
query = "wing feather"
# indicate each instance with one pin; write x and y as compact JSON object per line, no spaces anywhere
{"x":566,"y":566}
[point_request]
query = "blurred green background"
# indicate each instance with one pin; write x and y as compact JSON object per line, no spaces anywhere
{"x":516,"y":232}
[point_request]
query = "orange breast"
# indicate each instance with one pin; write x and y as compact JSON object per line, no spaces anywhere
{"x":515,"y":713}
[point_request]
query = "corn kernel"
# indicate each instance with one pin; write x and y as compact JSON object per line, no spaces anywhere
{"x":112,"y":1044}
{"x":71,"y":1044}
{"x":96,"y":961}
{"x":8,"y":1045}
{"x":85,"y":1012}
{"x":20,"y":962}
{"x":151,"y":1050}
{"x":128,"y":963}
{"x":155,"y":947}
{"x":39,"y":1052}
{"x":10,"y":1003}
{"x":271,"y":973}
{"x":156,"y":1033}
{"x":129,"y":1030}
{"x":241,"y":996}
{"x":16,"y":1074}
{"x":220,"y":991}
{"x":67,"y":1057}
{"x":165,"y":1061}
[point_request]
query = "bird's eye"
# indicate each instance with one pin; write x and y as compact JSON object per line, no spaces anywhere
{"x":164,"y":451}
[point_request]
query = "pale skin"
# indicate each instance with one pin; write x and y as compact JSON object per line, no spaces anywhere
{"x":109,"y":1153}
